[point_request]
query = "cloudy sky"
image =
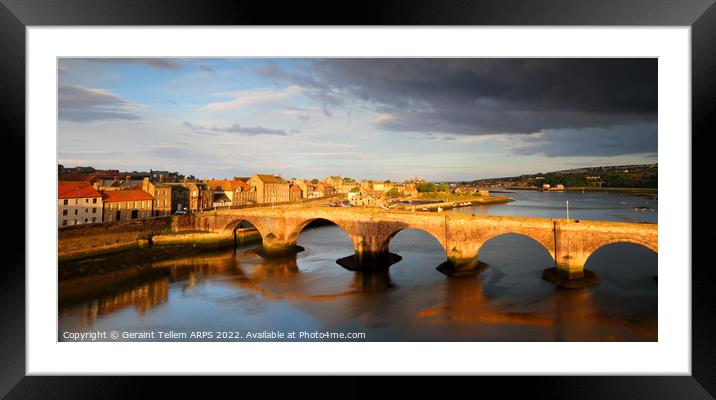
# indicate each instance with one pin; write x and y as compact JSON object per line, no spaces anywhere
{"x":440,"y":119}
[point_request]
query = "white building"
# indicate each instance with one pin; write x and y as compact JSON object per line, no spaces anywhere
{"x":78,"y":203}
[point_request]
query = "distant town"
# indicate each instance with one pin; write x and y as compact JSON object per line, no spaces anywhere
{"x":87,"y":195}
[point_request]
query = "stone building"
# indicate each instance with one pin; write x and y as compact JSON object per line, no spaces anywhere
{"x":325,"y":189}
{"x":365,"y":199}
{"x":308,"y":189}
{"x":295,"y":194}
{"x":270,"y":188}
{"x":200,"y":196}
{"x":243,"y":193}
{"x":121,"y":205}
{"x":78,"y":203}
{"x":222,"y":192}
{"x":162,"y":194}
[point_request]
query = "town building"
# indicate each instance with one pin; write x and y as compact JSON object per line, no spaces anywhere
{"x":295,"y":193}
{"x":200,"y":196}
{"x":365,"y":199}
{"x":243,"y":193}
{"x":78,"y":203}
{"x":180,"y":197}
{"x":308,"y":189}
{"x":334,"y":181}
{"x":325,"y":189}
{"x":222,"y":192}
{"x":121,"y":205}
{"x":270,"y":188}
{"x":162,"y":194}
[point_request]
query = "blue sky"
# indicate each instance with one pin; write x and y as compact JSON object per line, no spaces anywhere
{"x":440,"y":119}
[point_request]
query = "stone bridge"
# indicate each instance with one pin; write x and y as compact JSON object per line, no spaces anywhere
{"x":569,"y":243}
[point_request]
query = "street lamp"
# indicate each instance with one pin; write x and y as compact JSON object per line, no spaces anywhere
{"x":567,"y":210}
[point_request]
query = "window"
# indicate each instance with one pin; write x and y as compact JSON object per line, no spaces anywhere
{"x":76,"y":213}
{"x":65,"y":202}
{"x":86,"y":220}
{"x":75,"y":220}
{"x":94,"y":219}
{"x":86,"y":200}
{"x":94,"y":200}
{"x":77,"y":202}
{"x":94,"y":210}
{"x":86,"y":210}
{"x":64,"y":222}
{"x":64,"y":212}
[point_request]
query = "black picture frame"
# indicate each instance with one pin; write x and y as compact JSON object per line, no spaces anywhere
{"x":16,"y":15}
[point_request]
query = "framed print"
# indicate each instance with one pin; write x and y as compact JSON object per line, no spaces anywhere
{"x":450,"y":189}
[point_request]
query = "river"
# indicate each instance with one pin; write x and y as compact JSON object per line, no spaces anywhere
{"x":231,"y":294}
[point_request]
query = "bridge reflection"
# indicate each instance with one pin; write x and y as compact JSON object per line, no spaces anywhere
{"x":546,"y":315}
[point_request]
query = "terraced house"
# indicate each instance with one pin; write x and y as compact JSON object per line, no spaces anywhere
{"x":78,"y":203}
{"x":270,"y":188}
{"x":120,"y":205}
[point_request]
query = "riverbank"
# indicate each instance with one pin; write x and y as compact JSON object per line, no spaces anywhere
{"x":652,"y":193}
{"x":642,"y":192}
{"x":462,"y":202}
{"x":103,"y":268}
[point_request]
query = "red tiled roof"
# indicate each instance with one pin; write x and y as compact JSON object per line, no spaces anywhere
{"x":216,"y":183}
{"x":79,"y":177}
{"x":239,"y":183}
{"x":76,"y":190}
{"x":110,"y":196}
{"x":295,"y":188}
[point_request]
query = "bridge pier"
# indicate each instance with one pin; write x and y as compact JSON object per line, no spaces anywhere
{"x":369,"y":261}
{"x":571,"y":254}
{"x":370,"y":254}
{"x":458,"y":268}
{"x":273,"y":247}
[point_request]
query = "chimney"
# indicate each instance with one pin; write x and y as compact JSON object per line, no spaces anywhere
{"x":128,"y":178}
{"x":161,"y":178}
{"x":145,"y":185}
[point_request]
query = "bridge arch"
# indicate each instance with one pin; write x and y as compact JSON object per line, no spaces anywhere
{"x":546,"y":245}
{"x":653,"y":246}
{"x":296,"y":230}
{"x":385,"y":244}
{"x":236,"y":223}
{"x":602,"y":244}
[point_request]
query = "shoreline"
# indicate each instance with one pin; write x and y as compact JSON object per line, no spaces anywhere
{"x":101,"y":268}
{"x":448,"y":205}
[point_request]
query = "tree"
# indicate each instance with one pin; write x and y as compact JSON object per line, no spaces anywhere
{"x":394,"y":192}
{"x":355,"y":189}
{"x":314,"y":181}
{"x":426,"y":187}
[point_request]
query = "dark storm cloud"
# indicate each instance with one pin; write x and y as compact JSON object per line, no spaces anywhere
{"x":593,"y":142}
{"x":488,"y":96}
{"x":81,"y":104}
{"x":161,"y":63}
{"x":235,"y":128}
